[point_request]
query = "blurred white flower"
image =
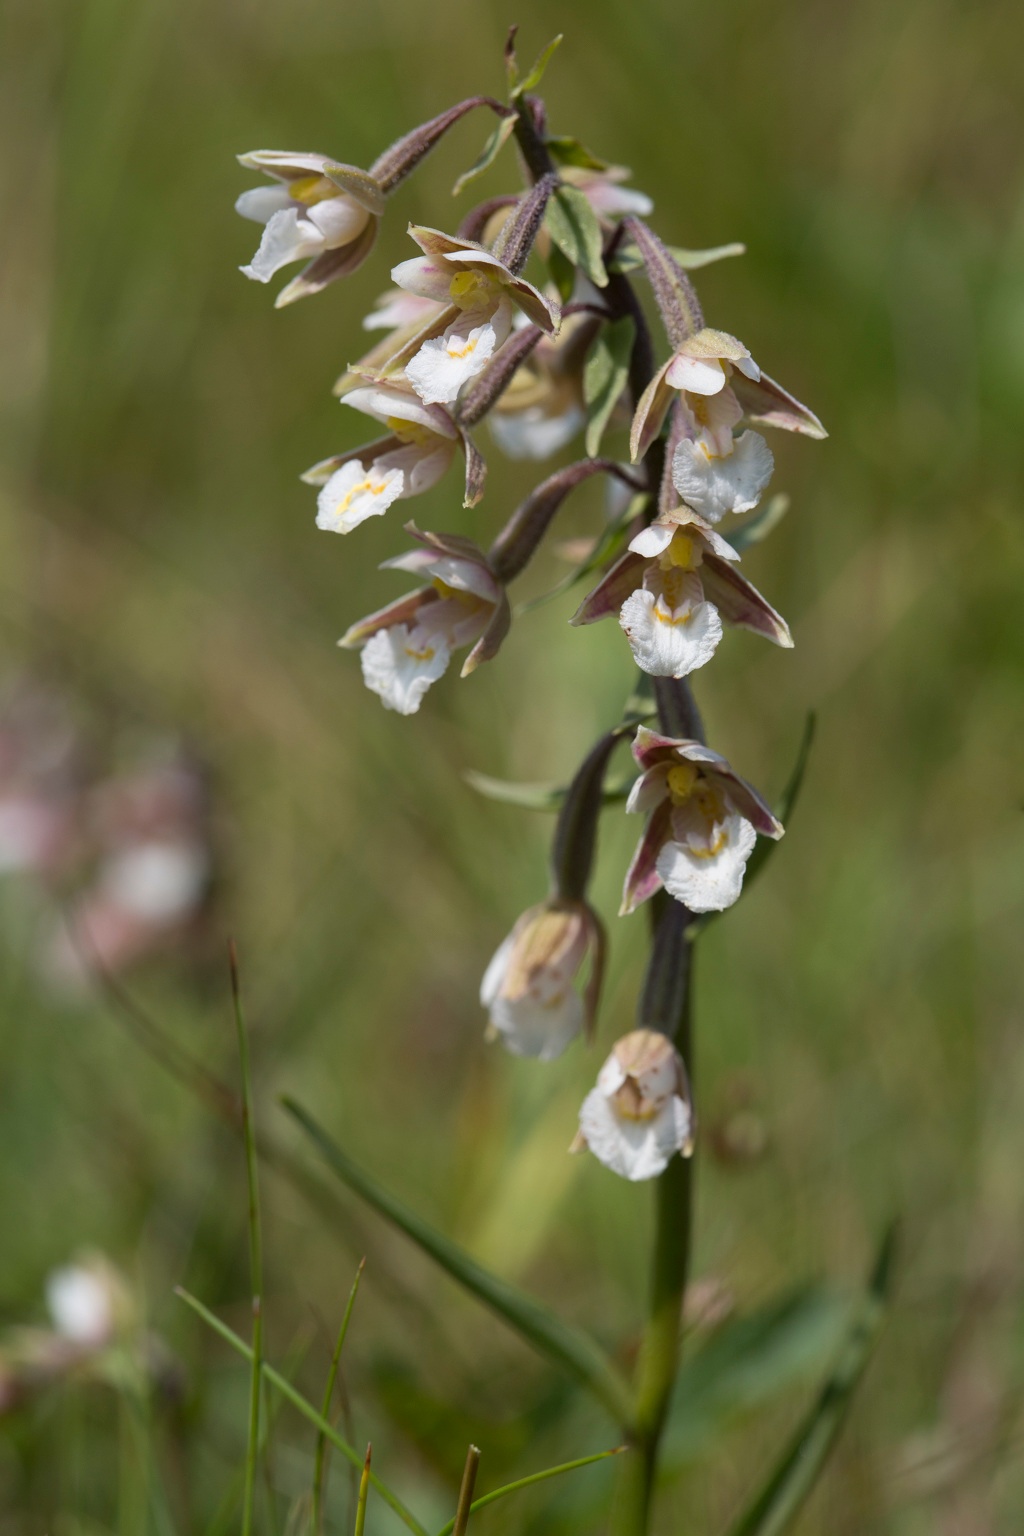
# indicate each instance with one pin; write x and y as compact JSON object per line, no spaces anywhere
{"x":639,"y":1116}
{"x":529,"y":989}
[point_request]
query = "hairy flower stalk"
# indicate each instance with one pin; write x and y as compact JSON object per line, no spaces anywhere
{"x":469,"y":337}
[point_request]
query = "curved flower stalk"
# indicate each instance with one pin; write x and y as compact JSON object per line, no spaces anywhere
{"x":673,"y":590}
{"x":530,"y":987}
{"x":702,"y":824}
{"x":318,"y":211}
{"x":423,"y":441}
{"x":480,"y":295}
{"x":639,"y":1116}
{"x":408,"y":645}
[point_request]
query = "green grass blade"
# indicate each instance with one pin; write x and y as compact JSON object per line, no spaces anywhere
{"x":782,"y":1497}
{"x":255,"y":1249}
{"x":295,"y":1397}
{"x":364,"y":1492}
{"x":534,"y":1477}
{"x":574,"y":1351}
{"x":325,"y":1412}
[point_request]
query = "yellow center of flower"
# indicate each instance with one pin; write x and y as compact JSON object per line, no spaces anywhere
{"x":411,"y":431}
{"x":682,"y":780}
{"x":311,"y":189}
{"x":426,"y":654}
{"x":684,"y":553}
{"x":467,"y":599}
{"x":471,"y":290}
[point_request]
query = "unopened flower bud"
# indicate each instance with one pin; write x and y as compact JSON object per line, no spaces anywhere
{"x":529,"y":988}
{"x":639,"y":1115}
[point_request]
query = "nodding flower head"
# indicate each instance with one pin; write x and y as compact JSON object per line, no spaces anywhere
{"x":316,"y":211}
{"x":408,"y":645}
{"x":673,"y":590}
{"x":702,"y":824}
{"x":480,"y":295}
{"x":639,"y":1115}
{"x":530,"y":988}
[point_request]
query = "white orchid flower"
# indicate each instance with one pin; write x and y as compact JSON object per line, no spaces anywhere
{"x":639,"y":1116}
{"x":529,"y":989}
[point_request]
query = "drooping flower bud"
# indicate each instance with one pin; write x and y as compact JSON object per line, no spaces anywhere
{"x":639,"y":1115}
{"x":530,"y":987}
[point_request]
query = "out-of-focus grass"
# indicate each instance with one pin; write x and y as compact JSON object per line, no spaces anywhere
{"x":159,"y":560}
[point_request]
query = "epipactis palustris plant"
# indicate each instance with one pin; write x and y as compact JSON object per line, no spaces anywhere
{"x":565,"y":352}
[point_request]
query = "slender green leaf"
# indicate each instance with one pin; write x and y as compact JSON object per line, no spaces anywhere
{"x":320,"y":1462}
{"x":255,"y":1249}
{"x":490,"y":152}
{"x":527,"y":1482}
{"x":364,"y":1490}
{"x":539,"y":797}
{"x":605,"y":376}
{"x":785,"y":807}
{"x":532,"y":79}
{"x":628,"y":259}
{"x":573,"y":226}
{"x":566,"y":150}
{"x":284,"y":1386}
{"x":747,"y":1361}
{"x":761,"y":524}
{"x":576,"y":1353}
{"x":781,"y":1499}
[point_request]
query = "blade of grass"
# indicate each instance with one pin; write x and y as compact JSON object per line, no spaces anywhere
{"x":325,"y":1412}
{"x":465,"y":1504}
{"x":534,"y":1477}
{"x":364,"y":1489}
{"x":295,"y":1397}
{"x":255,"y":1248}
{"x":781,"y":1499}
{"x":577,"y":1354}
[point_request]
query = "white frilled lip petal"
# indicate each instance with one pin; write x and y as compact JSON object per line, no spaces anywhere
{"x":343,"y":489}
{"x":386,"y":402}
{"x":444,"y":364}
{"x":261,"y":203}
{"x":668,"y":642}
{"x":287,"y":237}
{"x":397,"y":670}
{"x":653,"y":540}
{"x":634,"y":1149}
{"x":425,"y":277}
{"x":715,"y":487}
{"x":708,"y":884}
{"x":80,"y":1304}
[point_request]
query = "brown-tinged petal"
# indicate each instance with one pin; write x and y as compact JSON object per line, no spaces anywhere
{"x":642,"y":878}
{"x":321,"y":472}
{"x":328,"y":267}
{"x":490,"y":642}
{"x":651,"y":410}
{"x":767,"y":404}
{"x":476,"y":471}
{"x":612,"y":590}
{"x":402,"y":611}
{"x":360,"y":186}
{"x":741,"y":604}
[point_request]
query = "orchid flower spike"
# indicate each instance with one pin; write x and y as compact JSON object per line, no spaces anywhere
{"x":529,"y":988}
{"x":317,"y":211}
{"x":639,"y":1115}
{"x":702,"y":824}
{"x":480,"y":295}
{"x":421,"y":444}
{"x":673,"y":589}
{"x":408,"y":645}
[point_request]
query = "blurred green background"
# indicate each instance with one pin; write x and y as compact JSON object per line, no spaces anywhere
{"x":859,"y":1014}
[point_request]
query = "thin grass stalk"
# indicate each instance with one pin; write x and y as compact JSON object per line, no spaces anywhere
{"x":465,"y":1505}
{"x":332,"y":1376}
{"x":364,"y":1492}
{"x":255,"y":1250}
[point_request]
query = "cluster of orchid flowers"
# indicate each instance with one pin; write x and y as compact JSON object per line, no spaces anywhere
{"x":468,"y":337}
